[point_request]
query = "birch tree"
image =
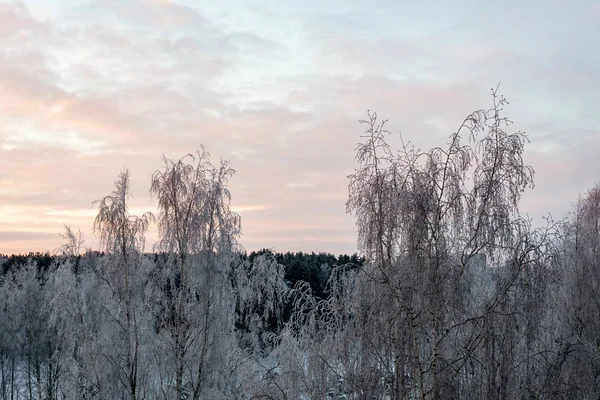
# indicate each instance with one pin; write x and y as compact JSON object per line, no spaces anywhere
{"x":579,"y":303}
{"x":199,"y":231}
{"x":33,"y":367}
{"x":424,"y":219}
{"x":123,"y":276}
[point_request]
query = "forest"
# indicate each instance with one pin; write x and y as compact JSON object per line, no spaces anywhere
{"x":453,"y":294}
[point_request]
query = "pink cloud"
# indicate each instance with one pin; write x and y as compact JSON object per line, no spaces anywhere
{"x":16,"y":23}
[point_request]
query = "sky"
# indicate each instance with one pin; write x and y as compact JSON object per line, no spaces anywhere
{"x":89,"y":87}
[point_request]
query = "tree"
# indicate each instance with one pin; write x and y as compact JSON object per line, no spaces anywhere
{"x":579,"y":300}
{"x":425,"y":222}
{"x":123,"y":276}
{"x":120,"y":233}
{"x":199,"y":229}
{"x":30,"y":346}
{"x":76,"y":315}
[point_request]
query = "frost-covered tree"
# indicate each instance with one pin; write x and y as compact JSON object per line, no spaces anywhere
{"x":430,"y":313}
{"x":98,"y":307}
{"x":261,"y":292}
{"x":194,"y":203}
{"x":199,"y":231}
{"x":123,"y":276}
{"x":30,"y":346}
{"x":425,"y":220}
{"x":76,"y":315}
{"x":73,"y":242}
{"x":138,"y":328}
{"x":578,"y":303}
{"x":120,"y":233}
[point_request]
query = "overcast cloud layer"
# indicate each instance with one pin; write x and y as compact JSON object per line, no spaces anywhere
{"x":90,"y":87}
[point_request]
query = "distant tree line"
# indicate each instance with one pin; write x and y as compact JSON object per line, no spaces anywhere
{"x":313,"y":268}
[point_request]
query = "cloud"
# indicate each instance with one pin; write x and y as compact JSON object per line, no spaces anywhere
{"x":300,"y":185}
{"x":86,"y":90}
{"x":248,"y":208}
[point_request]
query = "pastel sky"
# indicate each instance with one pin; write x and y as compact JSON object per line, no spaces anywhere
{"x":277,"y":87}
